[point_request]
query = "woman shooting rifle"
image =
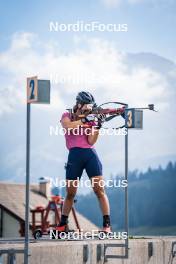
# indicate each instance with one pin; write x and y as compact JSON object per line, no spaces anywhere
{"x":82,"y":155}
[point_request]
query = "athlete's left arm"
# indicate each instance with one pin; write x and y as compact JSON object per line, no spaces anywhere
{"x":92,"y":138}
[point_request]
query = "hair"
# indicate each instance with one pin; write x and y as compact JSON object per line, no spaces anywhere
{"x":75,"y":108}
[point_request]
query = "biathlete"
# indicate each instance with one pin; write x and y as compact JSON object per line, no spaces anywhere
{"x":82,"y":155}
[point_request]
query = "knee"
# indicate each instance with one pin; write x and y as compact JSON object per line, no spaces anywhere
{"x":99,"y":193}
{"x":70,"y":196}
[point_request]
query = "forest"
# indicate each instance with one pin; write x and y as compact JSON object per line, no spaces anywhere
{"x":151,"y":200}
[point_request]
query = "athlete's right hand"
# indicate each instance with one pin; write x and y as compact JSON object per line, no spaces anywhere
{"x":88,"y":118}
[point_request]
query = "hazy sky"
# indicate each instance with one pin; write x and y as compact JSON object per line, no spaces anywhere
{"x":137,"y":66}
{"x":151,"y":23}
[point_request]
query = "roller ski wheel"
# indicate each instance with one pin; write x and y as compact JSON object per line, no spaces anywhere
{"x":37,"y":234}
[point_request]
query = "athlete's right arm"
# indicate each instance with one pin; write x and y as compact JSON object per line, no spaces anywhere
{"x":67,"y":123}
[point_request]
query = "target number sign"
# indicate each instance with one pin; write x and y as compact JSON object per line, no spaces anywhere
{"x":134,"y":118}
{"x":32,"y":89}
{"x":38,"y":91}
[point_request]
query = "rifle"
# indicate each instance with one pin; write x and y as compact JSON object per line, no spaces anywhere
{"x":109,"y":113}
{"x":98,"y":110}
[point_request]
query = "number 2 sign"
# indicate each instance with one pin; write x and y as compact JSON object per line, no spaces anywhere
{"x":32,"y":89}
{"x":38,"y":91}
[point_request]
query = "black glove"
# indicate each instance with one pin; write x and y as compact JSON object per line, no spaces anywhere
{"x":101,"y":120}
{"x":88,"y":118}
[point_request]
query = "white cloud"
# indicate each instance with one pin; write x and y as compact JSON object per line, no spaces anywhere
{"x":98,"y":67}
{"x":25,"y":38}
{"x":112,"y":3}
{"x":135,"y":1}
{"x":154,"y":3}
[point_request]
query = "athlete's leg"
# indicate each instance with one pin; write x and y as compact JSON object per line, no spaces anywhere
{"x":74,"y":169}
{"x":71,"y":188}
{"x":98,"y":187}
{"x":94,"y":171}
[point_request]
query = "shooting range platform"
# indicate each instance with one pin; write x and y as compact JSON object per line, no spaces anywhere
{"x":142,"y":250}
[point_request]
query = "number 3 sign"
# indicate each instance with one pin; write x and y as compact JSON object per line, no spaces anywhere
{"x":134,"y":118}
{"x":38,"y":91}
